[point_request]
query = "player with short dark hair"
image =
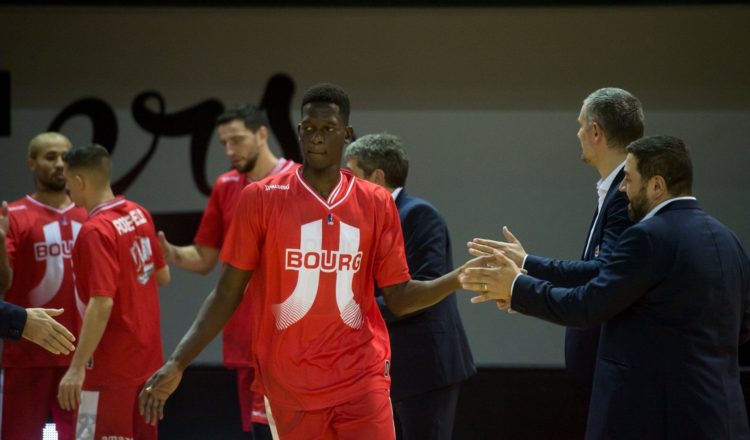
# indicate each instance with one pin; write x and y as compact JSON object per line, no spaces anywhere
{"x":118,"y":264}
{"x":243,"y":130}
{"x":312,"y":245}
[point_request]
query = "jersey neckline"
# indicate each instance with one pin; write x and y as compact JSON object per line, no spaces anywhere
{"x":338,"y":194}
{"x":51,"y":208}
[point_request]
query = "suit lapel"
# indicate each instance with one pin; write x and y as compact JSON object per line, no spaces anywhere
{"x":597,"y":224}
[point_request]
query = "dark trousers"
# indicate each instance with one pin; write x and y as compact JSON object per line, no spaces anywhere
{"x":427,"y":416}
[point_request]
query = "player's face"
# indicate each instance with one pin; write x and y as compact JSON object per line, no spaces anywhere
{"x":47,"y":166}
{"x":74,"y":184}
{"x":322,"y":135}
{"x":241,"y":145}
{"x":584,"y":136}
{"x":632,"y":185}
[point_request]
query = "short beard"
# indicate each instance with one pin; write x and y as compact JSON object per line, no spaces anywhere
{"x":249,"y":166}
{"x":52,"y":186}
{"x":637,"y":208}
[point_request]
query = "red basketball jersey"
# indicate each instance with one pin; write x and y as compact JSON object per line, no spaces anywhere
{"x":39,"y":243}
{"x":116,"y":255}
{"x":315,"y":263}
{"x":213,"y":228}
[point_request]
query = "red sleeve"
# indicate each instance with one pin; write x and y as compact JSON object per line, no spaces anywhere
{"x":390,"y":266}
{"x":95,"y":264}
{"x":211,"y":230}
{"x":242,"y":247}
{"x":10,"y":240}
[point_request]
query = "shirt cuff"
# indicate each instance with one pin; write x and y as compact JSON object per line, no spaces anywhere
{"x":523,"y":263}
{"x":513,"y":284}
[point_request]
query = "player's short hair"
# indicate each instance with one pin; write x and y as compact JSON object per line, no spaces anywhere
{"x":43,"y":139}
{"x":665,"y":156}
{"x":328,"y":93}
{"x":252,"y":116}
{"x":617,"y":112}
{"x":90,"y":158}
{"x":381,"y":151}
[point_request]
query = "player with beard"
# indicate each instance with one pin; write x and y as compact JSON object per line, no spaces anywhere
{"x":36,"y":270}
{"x":244,"y":133}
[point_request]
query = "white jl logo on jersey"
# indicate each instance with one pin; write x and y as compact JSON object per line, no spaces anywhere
{"x":309,"y":261}
{"x":141,"y":253}
{"x":54,"y":249}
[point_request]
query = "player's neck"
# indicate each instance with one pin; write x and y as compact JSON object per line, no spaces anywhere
{"x":54,"y":199}
{"x":98,"y":197}
{"x":263,"y":166}
{"x":323,"y":180}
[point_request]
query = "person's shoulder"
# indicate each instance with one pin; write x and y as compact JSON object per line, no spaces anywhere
{"x":131,"y":205}
{"x":19,"y":209}
{"x":20,"y":204}
{"x":228,"y":178}
{"x":369,"y":189}
{"x":94,"y":228}
{"x":282,"y":178}
{"x":417,"y":202}
{"x":285,"y":166}
{"x":412,"y":208}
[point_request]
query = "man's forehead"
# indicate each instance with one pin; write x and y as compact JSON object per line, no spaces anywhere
{"x":234,"y":125}
{"x":326,"y":110}
{"x":630,"y":162}
{"x":53,"y":147}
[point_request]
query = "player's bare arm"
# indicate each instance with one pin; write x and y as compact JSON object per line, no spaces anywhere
{"x":162,"y":276}
{"x":95,"y":321}
{"x":194,"y":258}
{"x":213,"y":315}
{"x":415,"y":295}
{"x":6,"y":273}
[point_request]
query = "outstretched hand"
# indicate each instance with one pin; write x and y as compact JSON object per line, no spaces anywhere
{"x":42,"y":329}
{"x":512,"y":248}
{"x":492,"y":277}
{"x":156,"y":391}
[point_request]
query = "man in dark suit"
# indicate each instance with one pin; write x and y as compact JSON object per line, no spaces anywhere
{"x":609,"y":120}
{"x":674,"y":300}
{"x":430,"y":352}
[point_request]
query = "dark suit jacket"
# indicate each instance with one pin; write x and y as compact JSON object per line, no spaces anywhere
{"x":581,"y":343}
{"x":429,"y":349}
{"x":12,"y":320}
{"x":674,"y":302}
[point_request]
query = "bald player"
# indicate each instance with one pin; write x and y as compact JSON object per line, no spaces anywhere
{"x":36,"y":237}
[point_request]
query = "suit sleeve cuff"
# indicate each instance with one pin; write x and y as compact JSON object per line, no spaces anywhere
{"x":513,"y":284}
{"x":17,"y":323}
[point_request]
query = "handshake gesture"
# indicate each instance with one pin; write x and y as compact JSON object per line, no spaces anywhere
{"x":493,"y":273}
